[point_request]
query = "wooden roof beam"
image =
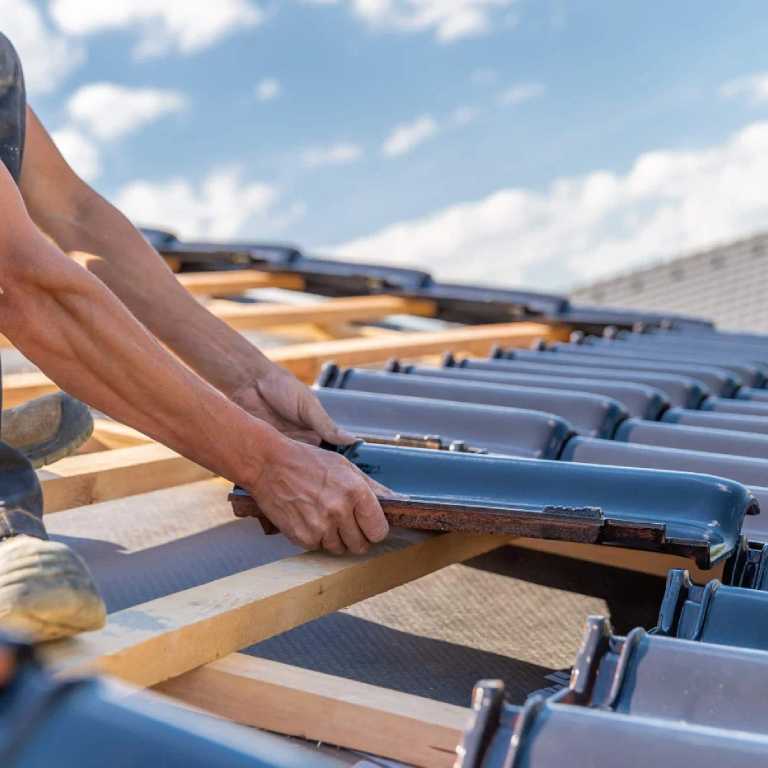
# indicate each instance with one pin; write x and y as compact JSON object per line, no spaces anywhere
{"x":354,"y":309}
{"x":114,"y":474}
{"x":305,"y":360}
{"x":164,"y":638}
{"x":311,"y":705}
{"x":233,"y":282}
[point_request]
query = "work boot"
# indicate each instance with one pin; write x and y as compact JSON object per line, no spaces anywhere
{"x":48,"y":428}
{"x":46,"y":590}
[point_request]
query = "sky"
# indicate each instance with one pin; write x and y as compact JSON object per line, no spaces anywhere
{"x":541,"y":144}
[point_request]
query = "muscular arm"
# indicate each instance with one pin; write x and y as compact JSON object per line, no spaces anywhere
{"x":64,"y":320}
{"x":79,"y":219}
{"x":75,"y":329}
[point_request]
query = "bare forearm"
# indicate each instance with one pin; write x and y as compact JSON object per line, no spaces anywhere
{"x":119,"y":256}
{"x":78,"y":219}
{"x":67,"y":322}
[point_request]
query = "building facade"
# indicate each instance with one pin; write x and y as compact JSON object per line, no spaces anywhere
{"x":727,"y":284}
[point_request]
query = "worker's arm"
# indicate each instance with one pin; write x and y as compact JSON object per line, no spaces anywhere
{"x":79,"y":219}
{"x":75,"y":329}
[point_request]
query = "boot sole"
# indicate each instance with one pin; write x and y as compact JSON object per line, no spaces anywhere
{"x":75,"y":429}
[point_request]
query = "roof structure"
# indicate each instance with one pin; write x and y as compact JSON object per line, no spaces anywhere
{"x":575,"y":474}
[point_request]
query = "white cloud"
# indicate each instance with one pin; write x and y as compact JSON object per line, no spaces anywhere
{"x":408,"y":136}
{"x":520,"y":93}
{"x":589,"y":226}
{"x":102,"y":112}
{"x":448,"y":20}
{"x":218,"y":207}
{"x":184,"y":26}
{"x":110,"y":111}
{"x":47,"y":57}
{"x":79,"y":151}
{"x":341,"y":153}
{"x":268,"y":89}
{"x":753,"y":87}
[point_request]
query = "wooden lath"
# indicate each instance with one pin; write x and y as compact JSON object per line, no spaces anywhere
{"x":112,"y":434}
{"x":318,"y":707}
{"x":305,"y":360}
{"x":355,"y":309}
{"x":166,"y":637}
{"x":20,"y":387}
{"x":113,"y":474}
{"x":233,"y":282}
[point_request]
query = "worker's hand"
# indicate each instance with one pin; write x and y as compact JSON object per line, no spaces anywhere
{"x":281,"y":400}
{"x":319,"y":499}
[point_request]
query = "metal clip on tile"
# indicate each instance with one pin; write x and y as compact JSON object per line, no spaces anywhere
{"x":431,"y":442}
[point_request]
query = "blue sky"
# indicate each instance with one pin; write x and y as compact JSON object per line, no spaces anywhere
{"x":540,"y":143}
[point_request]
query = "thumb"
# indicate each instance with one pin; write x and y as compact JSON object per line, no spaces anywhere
{"x":318,"y":420}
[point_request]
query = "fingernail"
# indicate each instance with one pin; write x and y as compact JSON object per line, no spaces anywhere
{"x":344,"y":438}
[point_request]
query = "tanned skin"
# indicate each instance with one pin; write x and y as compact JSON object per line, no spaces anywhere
{"x":95,"y":332}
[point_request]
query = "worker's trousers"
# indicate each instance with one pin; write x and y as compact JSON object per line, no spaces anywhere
{"x":21,"y":498}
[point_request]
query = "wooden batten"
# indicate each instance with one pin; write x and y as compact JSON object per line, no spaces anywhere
{"x":345,"y":310}
{"x":233,"y":282}
{"x":305,"y":360}
{"x":20,"y":387}
{"x":113,"y":434}
{"x":164,"y":638}
{"x":114,"y":474}
{"x":300,"y":702}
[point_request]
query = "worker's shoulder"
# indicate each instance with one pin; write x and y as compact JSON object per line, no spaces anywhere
{"x":10,"y":64}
